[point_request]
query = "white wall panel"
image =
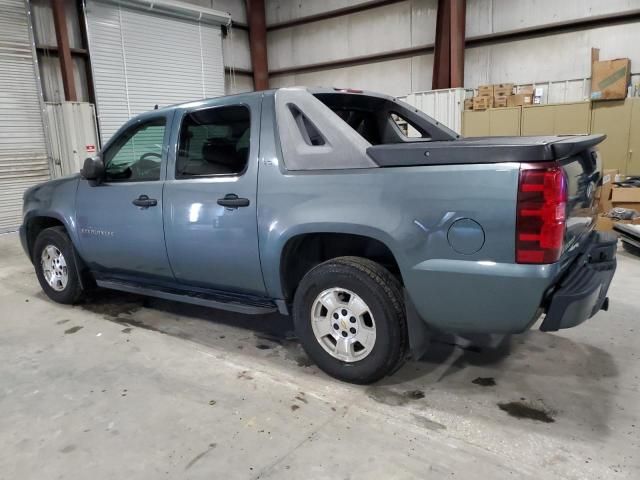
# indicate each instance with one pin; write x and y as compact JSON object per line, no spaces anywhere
{"x":423,"y":22}
{"x":563,"y":56}
{"x":236,"y":8}
{"x":492,"y":16}
{"x":237,"y":83}
{"x":551,"y":58}
{"x":236,"y":50}
{"x":421,"y":72}
{"x":388,"y":77}
{"x":278,"y":11}
{"x":363,"y":33}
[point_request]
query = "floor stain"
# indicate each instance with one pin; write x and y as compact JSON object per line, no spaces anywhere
{"x":68,"y":449}
{"x":111,"y":310}
{"x":393,"y":398}
{"x":485,"y":381}
{"x":301,"y":397}
{"x":245,"y":375}
{"x":294,"y":407}
{"x":523,"y":410}
{"x":429,"y":424}
{"x":126,"y":330}
{"x":199,"y":456}
{"x":72,"y":330}
{"x":292,"y":349}
{"x":263,"y":346}
{"x":61,"y":322}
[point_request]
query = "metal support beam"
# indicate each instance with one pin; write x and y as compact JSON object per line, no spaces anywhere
{"x":258,"y":43}
{"x":64,"y":51}
{"x":458,"y":19}
{"x":448,"y":64}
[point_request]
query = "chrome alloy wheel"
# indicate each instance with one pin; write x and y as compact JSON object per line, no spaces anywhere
{"x":343,"y":324}
{"x":54,"y":268}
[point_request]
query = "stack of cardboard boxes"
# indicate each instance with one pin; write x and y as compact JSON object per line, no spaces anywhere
{"x":611,"y":196}
{"x":498,"y":96}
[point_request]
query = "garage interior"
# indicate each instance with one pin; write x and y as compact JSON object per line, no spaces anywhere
{"x":127,"y":386}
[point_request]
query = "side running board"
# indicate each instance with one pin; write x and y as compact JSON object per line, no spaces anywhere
{"x":222,"y":300}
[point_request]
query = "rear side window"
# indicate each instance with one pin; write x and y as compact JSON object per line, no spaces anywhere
{"x":214,"y":141}
{"x":408,"y":128}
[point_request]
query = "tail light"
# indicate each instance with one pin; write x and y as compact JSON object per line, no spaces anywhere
{"x":541,"y":213}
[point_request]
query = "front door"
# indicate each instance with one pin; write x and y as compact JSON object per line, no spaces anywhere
{"x":210,"y":198}
{"x":120,"y":220}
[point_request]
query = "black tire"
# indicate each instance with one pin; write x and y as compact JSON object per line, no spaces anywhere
{"x":382,"y":293}
{"x":57,"y":236}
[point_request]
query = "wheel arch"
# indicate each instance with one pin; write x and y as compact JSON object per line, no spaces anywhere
{"x":304,"y":250}
{"x":36,"y":223}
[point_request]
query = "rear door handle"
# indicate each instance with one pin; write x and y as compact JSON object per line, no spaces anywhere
{"x":231,"y":200}
{"x":145,"y":202}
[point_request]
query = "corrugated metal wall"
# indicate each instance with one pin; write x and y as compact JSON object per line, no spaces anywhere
{"x":140,"y":59}
{"x":23,"y":152}
{"x":410,"y":24}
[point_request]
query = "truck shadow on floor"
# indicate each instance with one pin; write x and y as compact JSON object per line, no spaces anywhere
{"x":547,"y":370}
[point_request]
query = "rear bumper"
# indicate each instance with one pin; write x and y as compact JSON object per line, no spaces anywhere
{"x":582,"y":290}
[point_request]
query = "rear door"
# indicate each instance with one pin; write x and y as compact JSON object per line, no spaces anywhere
{"x":210,"y":197}
{"x":120,"y":220}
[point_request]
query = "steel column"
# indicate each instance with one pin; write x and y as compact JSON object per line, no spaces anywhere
{"x":64,"y":51}
{"x":448,"y":64}
{"x":258,"y":43}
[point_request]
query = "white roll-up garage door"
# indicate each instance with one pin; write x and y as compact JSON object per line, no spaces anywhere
{"x":23,"y":152}
{"x":142,"y":58}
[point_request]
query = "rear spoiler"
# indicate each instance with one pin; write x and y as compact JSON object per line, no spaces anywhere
{"x":575,"y":144}
{"x":481,"y":150}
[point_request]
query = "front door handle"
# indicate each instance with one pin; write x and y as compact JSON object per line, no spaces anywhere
{"x":145,"y":202}
{"x":231,"y":200}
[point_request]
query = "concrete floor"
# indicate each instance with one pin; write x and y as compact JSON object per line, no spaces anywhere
{"x":127,"y":387}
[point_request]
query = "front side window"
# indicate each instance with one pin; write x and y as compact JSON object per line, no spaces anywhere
{"x":136,"y":156}
{"x":214,"y":141}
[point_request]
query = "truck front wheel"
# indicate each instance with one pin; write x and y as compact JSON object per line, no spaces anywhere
{"x":350,"y":318}
{"x":55,"y":266}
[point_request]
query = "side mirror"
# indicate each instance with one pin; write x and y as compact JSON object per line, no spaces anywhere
{"x":93,"y":169}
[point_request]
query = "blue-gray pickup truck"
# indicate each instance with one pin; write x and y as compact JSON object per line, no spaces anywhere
{"x":368,"y":221}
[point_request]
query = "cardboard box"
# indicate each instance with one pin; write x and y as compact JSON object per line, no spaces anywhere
{"x":603,"y":194}
{"x":525,"y":89}
{"x":468,"y":104}
{"x":518,"y":100}
{"x":499,"y":102}
{"x":605,"y":224}
{"x":482,"y":103}
{"x":610,"y":79}
{"x":625,"y":195}
{"x":503,"y":89}
{"x":485,"y":91}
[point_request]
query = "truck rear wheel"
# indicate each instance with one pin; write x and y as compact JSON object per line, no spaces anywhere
{"x":350,"y":317}
{"x":54,"y":261}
